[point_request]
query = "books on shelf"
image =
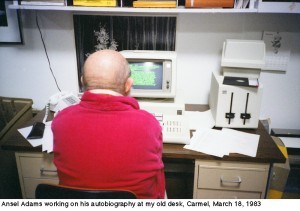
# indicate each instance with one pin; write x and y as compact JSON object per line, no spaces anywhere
{"x":209,"y":3}
{"x":155,"y":3}
{"x":243,"y":4}
{"x":44,"y":2}
{"x":96,"y":3}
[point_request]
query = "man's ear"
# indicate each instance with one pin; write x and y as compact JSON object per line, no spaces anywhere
{"x":128,"y":85}
{"x":81,"y":80}
{"x":82,"y":83}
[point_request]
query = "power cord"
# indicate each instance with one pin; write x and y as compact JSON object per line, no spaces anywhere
{"x":45,"y":49}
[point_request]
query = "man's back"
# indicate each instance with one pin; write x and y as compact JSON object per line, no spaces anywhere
{"x":107,"y":142}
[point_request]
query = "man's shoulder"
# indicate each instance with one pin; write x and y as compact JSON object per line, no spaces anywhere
{"x":146,"y":117}
{"x":67,"y":111}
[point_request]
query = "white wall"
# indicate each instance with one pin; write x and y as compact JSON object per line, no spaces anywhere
{"x":25,"y":73}
{"x":24,"y":68}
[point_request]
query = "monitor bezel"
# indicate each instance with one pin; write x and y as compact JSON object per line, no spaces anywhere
{"x":166,"y":57}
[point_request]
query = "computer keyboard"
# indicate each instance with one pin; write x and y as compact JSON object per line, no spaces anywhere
{"x":172,"y":119}
{"x":175,"y":128}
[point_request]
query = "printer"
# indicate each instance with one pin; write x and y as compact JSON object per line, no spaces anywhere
{"x":235,"y":95}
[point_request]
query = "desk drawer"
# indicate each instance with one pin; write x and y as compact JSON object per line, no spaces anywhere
{"x":37,"y":165}
{"x":226,"y":194}
{"x":231,"y":176}
{"x":35,"y":168}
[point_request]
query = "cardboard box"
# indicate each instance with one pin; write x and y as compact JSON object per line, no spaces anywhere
{"x":279,"y":174}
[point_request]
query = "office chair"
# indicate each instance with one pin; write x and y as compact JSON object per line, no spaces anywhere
{"x":49,"y":191}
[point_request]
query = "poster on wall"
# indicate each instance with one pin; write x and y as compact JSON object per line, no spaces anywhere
{"x":94,"y":33}
{"x":10,"y":30}
{"x":278,"y":49}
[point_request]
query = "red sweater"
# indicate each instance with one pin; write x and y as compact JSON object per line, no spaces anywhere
{"x":107,"y":142}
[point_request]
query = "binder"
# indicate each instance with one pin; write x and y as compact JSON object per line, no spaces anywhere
{"x":209,"y":3}
{"x":155,"y":3}
{"x":95,"y":3}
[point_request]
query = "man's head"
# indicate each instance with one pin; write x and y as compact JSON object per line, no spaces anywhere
{"x":107,"y":69}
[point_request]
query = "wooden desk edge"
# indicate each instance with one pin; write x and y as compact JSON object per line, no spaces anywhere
{"x":267,"y":151}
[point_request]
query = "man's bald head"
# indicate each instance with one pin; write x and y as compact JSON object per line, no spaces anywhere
{"x":106,"y":69}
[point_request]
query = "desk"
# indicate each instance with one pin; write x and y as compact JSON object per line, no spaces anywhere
{"x":176,"y":158}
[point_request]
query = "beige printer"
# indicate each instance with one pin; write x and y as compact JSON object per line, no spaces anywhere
{"x":235,"y":96}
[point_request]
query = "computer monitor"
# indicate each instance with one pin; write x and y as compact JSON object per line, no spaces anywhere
{"x":153,"y":73}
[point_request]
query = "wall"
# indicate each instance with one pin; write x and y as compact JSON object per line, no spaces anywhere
{"x":25,"y":71}
{"x":199,"y":46}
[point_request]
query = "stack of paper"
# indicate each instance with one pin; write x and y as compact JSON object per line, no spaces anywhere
{"x":46,"y":141}
{"x":222,"y":142}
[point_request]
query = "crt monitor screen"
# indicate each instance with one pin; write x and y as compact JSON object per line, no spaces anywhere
{"x":147,"y":75}
{"x":153,"y":73}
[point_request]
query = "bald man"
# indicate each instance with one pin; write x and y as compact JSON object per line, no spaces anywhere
{"x":106,"y":141}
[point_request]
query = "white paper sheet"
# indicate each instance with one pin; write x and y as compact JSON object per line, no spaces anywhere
{"x":47,"y":138}
{"x":25,"y":132}
{"x":199,"y":119}
{"x":291,"y":142}
{"x":222,"y":142}
{"x":208,"y":141}
{"x":241,"y":142}
{"x":46,"y":141}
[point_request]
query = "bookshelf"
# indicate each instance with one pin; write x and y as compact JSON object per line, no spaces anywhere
{"x":177,"y":10}
{"x":257,"y":6}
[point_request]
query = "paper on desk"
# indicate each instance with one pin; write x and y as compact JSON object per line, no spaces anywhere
{"x":241,"y":142}
{"x":47,"y":138}
{"x":199,"y":119}
{"x":46,"y":141}
{"x":291,"y":142}
{"x":25,"y":132}
{"x":208,"y":141}
{"x":223,"y":142}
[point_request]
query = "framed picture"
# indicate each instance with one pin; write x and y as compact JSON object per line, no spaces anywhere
{"x":10,"y":29}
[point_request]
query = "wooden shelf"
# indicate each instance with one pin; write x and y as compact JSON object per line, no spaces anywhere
{"x":179,"y":10}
